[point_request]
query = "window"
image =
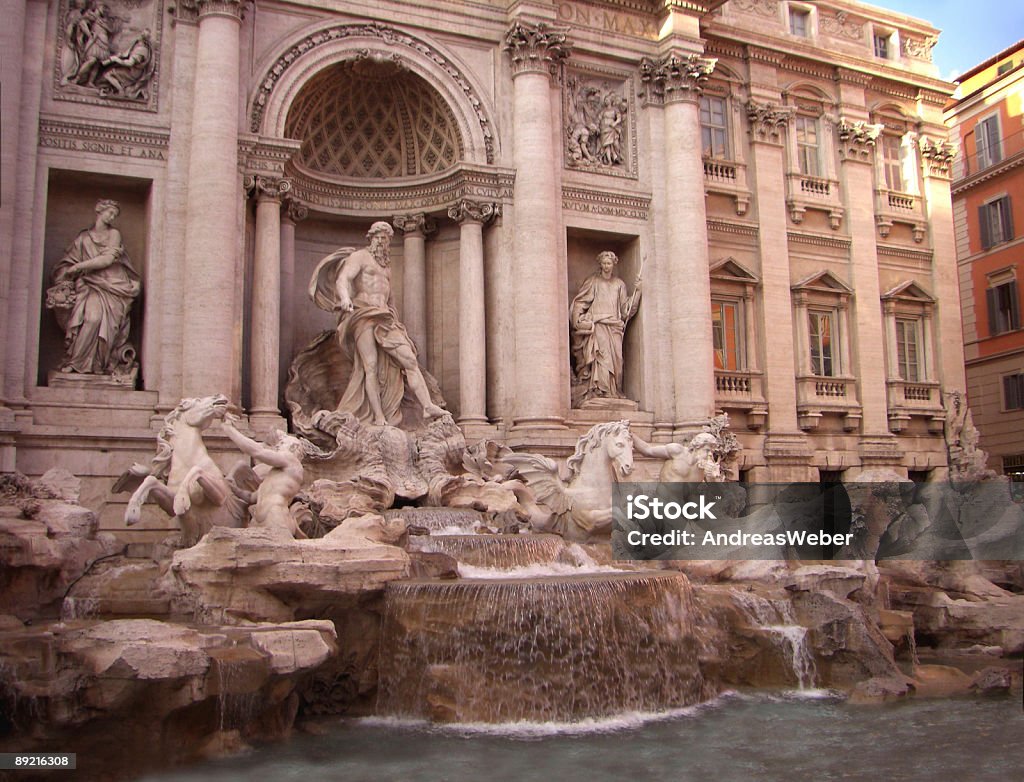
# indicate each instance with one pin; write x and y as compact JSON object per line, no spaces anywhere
{"x":996,"y":222}
{"x":800,"y":22}
{"x":714,"y":127}
{"x":1004,"y":67}
{"x":1003,"y":307}
{"x":987,"y":139}
{"x":821,"y":327}
{"x":725,"y":333}
{"x":892,"y":162}
{"x":908,"y":349}
{"x":882,"y":46}
{"x":807,"y":141}
{"x":1013,"y":392}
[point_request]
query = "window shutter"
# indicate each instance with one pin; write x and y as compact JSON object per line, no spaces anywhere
{"x":992,"y":299}
{"x":1004,"y":204}
{"x":1014,"y":301}
{"x":986,"y":232}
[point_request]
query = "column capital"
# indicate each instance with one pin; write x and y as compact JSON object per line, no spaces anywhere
{"x":294,"y":211}
{"x":473,"y":210}
{"x":675,"y":77}
{"x":938,"y":156}
{"x":420,"y":224}
{"x":767,"y":120}
{"x":266,"y":188}
{"x":536,"y":47}
{"x":232,"y":8}
{"x":857,"y":139}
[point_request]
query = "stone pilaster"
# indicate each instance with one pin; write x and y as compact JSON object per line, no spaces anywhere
{"x":415,"y":229}
{"x":471,"y":217}
{"x":264,"y":349}
{"x":541,"y":330}
{"x":211,"y":340}
{"x":293,"y":213}
{"x":856,"y":144}
{"x":676,"y":83}
{"x":937,"y":156}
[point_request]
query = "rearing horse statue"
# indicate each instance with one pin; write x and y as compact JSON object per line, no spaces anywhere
{"x":183,"y":479}
{"x":579,"y":505}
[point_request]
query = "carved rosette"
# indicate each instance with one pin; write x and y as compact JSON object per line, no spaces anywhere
{"x":266,"y":188}
{"x":857,"y":139}
{"x":675,"y":78}
{"x":768,"y":120}
{"x":420,"y":224}
{"x":479,"y":212}
{"x":938,"y":155}
{"x":536,"y":47}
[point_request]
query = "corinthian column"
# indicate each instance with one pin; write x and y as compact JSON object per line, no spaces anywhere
{"x":414,"y":280}
{"x":541,"y":324}
{"x":264,"y":348}
{"x":676,"y":82}
{"x":211,"y":344}
{"x":471,"y":217}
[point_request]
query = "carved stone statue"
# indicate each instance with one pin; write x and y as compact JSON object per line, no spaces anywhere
{"x":280,"y":471}
{"x":357,"y":285}
{"x":94,"y":285}
{"x":597,"y":319}
{"x":707,"y":457}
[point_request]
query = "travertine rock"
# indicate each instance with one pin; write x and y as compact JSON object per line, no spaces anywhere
{"x":142,"y":694}
{"x":242,"y":575}
{"x":42,"y":556}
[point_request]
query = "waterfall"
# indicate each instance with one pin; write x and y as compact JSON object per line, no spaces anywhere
{"x":492,"y":551}
{"x":543,"y":649}
{"x":776,"y":617}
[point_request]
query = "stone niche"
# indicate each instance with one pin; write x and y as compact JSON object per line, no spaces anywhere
{"x":583,"y":247}
{"x":71,"y":198}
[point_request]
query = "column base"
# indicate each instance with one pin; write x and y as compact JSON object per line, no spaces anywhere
{"x":475,"y":428}
{"x":545,"y":435}
{"x":265,"y":420}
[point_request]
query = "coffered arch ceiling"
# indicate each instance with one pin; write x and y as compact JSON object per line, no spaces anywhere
{"x":372,"y":118}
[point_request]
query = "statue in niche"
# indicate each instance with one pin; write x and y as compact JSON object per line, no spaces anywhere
{"x":94,"y":285}
{"x":356,"y":284}
{"x":597,"y":319}
{"x":595,"y":128}
{"x":103,"y":56}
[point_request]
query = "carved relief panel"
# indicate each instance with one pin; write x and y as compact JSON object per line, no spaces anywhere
{"x":108,"y":52}
{"x":598,"y":121}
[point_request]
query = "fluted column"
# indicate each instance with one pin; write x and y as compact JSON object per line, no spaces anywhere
{"x":415,"y":229}
{"x":264,"y":348}
{"x":676,"y":82}
{"x":293,"y":214}
{"x":211,"y":343}
{"x":541,"y":326}
{"x":471,"y":217}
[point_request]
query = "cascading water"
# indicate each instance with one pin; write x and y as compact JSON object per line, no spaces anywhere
{"x":542,"y":649}
{"x":777,"y":618}
{"x":492,"y":551}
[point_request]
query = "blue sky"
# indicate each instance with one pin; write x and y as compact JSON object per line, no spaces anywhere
{"x":972,"y":30}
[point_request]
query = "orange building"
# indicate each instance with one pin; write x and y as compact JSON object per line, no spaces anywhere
{"x":987,"y":113}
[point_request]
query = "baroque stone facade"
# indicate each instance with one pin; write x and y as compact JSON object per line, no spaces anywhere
{"x":811,"y":292}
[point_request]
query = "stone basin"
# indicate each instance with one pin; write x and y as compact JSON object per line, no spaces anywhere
{"x":545,"y":649}
{"x":492,"y":551}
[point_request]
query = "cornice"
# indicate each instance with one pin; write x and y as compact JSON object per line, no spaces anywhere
{"x":965,"y":184}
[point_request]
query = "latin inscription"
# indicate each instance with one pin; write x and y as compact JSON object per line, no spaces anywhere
{"x":606,"y":21}
{"x":102,"y":148}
